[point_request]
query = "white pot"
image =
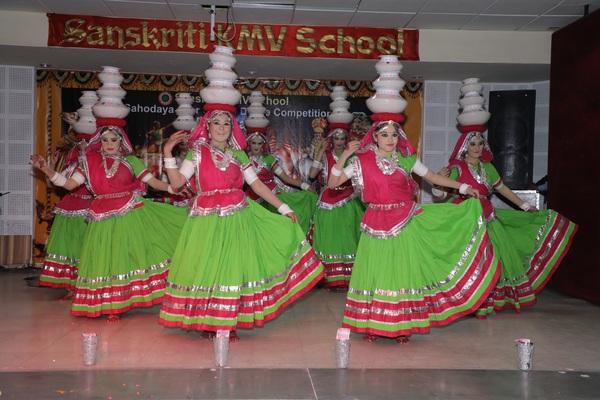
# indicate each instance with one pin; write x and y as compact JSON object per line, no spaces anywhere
{"x":479,"y":117}
{"x":256,"y":97}
{"x":227,"y":95}
{"x":466,"y":101}
{"x":471,"y":88}
{"x":340,"y":116}
{"x":110,"y":78}
{"x":111,"y":70}
{"x":256,"y":121}
{"x":220,"y":74}
{"x":185,"y":109}
{"x":386,"y":103}
{"x":470,"y":81}
{"x":256,"y":108}
{"x":85,"y":125}
{"x":110,"y":109}
{"x":388,"y":63}
{"x":389,"y":82}
{"x":85,"y":111}
{"x":185,"y":123}
{"x":112,"y":91}
{"x":339,"y":104}
{"x":222,"y":57}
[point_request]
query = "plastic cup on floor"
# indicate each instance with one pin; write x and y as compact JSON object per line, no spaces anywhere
{"x":342,"y":347}
{"x":525,"y":353}
{"x":221,"y":347}
{"x":90,"y":348}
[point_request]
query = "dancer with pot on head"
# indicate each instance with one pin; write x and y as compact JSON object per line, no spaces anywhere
{"x":416,"y":266}
{"x":266,"y":167}
{"x":336,"y":224}
{"x":128,"y":244}
{"x":530,"y":244}
{"x":63,"y":248}
{"x":237,"y":265}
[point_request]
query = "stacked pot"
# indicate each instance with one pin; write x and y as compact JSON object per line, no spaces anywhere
{"x":111,"y":95}
{"x":471,"y":103}
{"x":221,"y":78}
{"x":86,"y":124}
{"x":387,"y":86}
{"x":256,"y":119}
{"x":186,"y":120}
{"x":339,"y":106}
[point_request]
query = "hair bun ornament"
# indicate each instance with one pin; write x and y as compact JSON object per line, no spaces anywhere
{"x":221,"y":78}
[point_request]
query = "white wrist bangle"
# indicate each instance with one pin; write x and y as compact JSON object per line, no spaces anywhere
{"x":463,"y":188}
{"x":284,"y":209}
{"x":170,"y":190}
{"x":305,"y":186}
{"x":336,"y":172}
{"x":58,"y":180}
{"x":317,"y":164}
{"x":170,"y":162}
{"x":525,"y":206}
{"x":438,"y":193}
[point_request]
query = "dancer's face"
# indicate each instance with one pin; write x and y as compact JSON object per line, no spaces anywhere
{"x":110,"y":143}
{"x":339,"y":143}
{"x":475,"y":149}
{"x":219,"y":128}
{"x":256,"y":146}
{"x":387,"y":139}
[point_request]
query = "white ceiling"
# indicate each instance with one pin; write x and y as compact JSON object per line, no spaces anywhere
{"x":471,"y":15}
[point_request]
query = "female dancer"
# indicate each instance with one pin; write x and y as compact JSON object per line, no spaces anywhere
{"x":129,"y":240}
{"x":63,"y":249}
{"x":237,"y":264}
{"x":416,"y":265}
{"x":266,"y":167}
{"x":336,"y":225}
{"x":530,"y":244}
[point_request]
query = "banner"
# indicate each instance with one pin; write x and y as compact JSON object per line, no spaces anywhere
{"x":247,"y":39}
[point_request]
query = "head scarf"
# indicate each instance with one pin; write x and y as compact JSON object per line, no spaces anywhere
{"x":336,"y":128}
{"x":115,"y":126}
{"x":258,"y":133}
{"x":382,"y":119}
{"x":236,"y":140}
{"x":462,"y":145}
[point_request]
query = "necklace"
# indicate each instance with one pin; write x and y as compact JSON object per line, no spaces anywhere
{"x":113,"y":168}
{"x":258,"y":164}
{"x":478,"y":172}
{"x":386,"y":165}
{"x":223,"y":163}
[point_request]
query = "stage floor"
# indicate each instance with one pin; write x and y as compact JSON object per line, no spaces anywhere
{"x":293,"y":357}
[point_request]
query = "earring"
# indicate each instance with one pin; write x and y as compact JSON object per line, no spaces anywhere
{"x":209,"y":136}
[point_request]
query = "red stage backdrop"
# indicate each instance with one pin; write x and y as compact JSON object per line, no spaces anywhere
{"x":248,"y":39}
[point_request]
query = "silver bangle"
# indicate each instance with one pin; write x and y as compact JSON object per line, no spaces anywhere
{"x":525,"y":206}
{"x":305,"y":186}
{"x":170,"y":162}
{"x":58,"y":180}
{"x":463,"y":188}
{"x":336,"y":172}
{"x":284,"y":209}
{"x":317,"y":164}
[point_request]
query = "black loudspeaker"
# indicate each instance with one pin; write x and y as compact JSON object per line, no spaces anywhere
{"x":511,"y":133}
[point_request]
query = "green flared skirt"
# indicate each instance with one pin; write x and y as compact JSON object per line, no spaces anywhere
{"x":440,"y":267}
{"x":124,"y":260}
{"x":237,"y":271}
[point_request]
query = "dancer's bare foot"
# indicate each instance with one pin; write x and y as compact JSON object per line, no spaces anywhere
{"x":112,"y":318}
{"x":68,"y":296}
{"x":208,"y":335}
{"x":233,"y":337}
{"x":369,"y":338}
{"x":402,"y":339}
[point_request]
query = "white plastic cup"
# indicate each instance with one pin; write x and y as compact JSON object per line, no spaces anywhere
{"x":221,"y":347}
{"x":90,"y":348}
{"x":342,"y":347}
{"x":525,"y":354}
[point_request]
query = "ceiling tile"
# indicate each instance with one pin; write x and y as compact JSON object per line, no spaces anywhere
{"x":380,"y":20}
{"x":498,"y":23}
{"x":456,"y":7}
{"x":321,"y":17}
{"x":572,"y":9}
{"x":259,"y":15}
{"x":549,"y":23}
{"x":391,"y":6}
{"x":131,"y":9}
{"x":329,"y":4}
{"x":520,"y":7}
{"x":92,"y":7}
{"x":439,"y":21}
